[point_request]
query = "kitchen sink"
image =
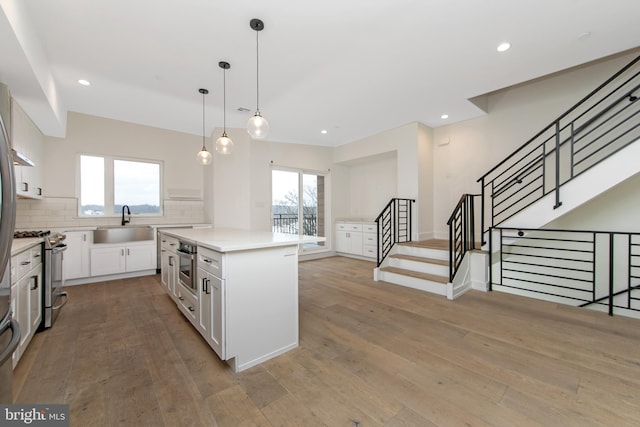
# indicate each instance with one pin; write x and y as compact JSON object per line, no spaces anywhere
{"x":120,"y":234}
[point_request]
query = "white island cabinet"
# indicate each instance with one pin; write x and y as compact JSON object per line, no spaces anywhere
{"x":247,"y":292}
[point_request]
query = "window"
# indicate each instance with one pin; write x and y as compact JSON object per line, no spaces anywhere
{"x":297,"y":207}
{"x":108,"y":183}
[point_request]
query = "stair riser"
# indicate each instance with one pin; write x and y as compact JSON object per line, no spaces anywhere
{"x":413,"y":282}
{"x":423,"y":252}
{"x":422,"y":267}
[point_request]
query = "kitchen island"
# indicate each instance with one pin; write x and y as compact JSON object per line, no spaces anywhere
{"x":238,"y":288}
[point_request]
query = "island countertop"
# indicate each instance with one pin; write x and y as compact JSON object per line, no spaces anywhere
{"x":230,"y":239}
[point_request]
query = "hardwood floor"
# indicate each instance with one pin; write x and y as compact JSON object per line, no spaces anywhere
{"x":371,"y":352}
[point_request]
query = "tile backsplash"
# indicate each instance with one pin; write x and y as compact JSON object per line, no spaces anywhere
{"x":56,"y":212}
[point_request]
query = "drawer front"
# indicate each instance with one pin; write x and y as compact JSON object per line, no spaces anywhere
{"x":369,"y":239}
{"x":36,"y":256}
{"x":369,"y":251}
{"x":169,"y":243}
{"x":348,"y":226}
{"x":23,"y":263}
{"x":210,"y":261}
{"x":369,"y":228}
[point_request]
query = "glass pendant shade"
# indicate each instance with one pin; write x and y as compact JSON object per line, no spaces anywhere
{"x":258,"y":127}
{"x":224,"y":144}
{"x":204,"y":156}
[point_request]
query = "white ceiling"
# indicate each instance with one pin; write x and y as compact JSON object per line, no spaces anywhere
{"x":352,"y":67}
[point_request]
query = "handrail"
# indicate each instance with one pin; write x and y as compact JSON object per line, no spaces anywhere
{"x":570,"y":145}
{"x":393,"y":225}
{"x":461,"y":225}
{"x":575,"y":267}
{"x":564,"y":115}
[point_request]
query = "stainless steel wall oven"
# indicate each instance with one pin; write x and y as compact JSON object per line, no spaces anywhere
{"x":188,"y":266}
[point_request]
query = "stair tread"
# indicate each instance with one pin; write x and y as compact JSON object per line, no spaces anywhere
{"x":420,"y":259}
{"x":432,"y":244}
{"x":416,"y":274}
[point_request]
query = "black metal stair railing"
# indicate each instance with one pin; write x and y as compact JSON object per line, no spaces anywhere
{"x":575,"y":267}
{"x":462,"y":232}
{"x":393,"y":226}
{"x":598,"y":126}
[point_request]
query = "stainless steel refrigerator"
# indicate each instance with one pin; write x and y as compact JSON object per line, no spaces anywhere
{"x":9,"y":327}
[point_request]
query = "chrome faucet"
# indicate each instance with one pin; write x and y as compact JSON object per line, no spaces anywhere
{"x":128,"y":220}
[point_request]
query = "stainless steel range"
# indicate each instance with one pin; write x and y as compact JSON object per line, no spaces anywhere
{"x":54,"y":297}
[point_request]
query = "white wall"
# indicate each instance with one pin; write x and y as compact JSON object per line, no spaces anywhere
{"x":403,"y":141}
{"x":615,"y":210}
{"x":241,"y":188}
{"x":94,"y":135}
{"x":465,"y":151}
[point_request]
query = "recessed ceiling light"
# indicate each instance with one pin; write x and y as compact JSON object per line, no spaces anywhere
{"x":84,"y":82}
{"x":444,"y":116}
{"x":323,"y":131}
{"x":503,"y":47}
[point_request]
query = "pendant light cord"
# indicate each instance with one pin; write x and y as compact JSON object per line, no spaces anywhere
{"x":224,"y":100}
{"x":257,"y":76}
{"x":203,"y":119}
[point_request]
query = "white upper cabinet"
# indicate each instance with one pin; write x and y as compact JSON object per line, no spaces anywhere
{"x":27,"y":139}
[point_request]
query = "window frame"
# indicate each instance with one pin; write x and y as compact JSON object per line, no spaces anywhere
{"x":109,"y":184}
{"x":302,"y":250}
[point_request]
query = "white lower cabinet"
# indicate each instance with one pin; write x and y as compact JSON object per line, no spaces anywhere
{"x":188,"y":304}
{"x":114,"y":259}
{"x":211,"y":286}
{"x":356,"y":238}
{"x":76,"y":257}
{"x":26,"y":295}
{"x":169,"y":264}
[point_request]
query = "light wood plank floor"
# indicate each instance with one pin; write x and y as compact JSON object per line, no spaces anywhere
{"x":371,"y":352}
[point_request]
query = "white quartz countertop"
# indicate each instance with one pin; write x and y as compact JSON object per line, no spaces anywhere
{"x":229,"y":240}
{"x":20,"y":245}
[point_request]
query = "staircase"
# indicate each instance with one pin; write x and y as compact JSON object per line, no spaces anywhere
{"x":420,"y":265}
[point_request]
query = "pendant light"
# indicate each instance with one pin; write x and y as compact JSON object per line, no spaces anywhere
{"x":204,"y":157}
{"x":257,"y":127}
{"x":224,"y":144}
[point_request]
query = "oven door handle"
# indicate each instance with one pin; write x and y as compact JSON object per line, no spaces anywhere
{"x":59,"y":248}
{"x":185,"y":254}
{"x":66,"y":298}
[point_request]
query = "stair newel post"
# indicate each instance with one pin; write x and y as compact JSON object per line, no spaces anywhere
{"x":451,"y":260}
{"x":482,"y":209}
{"x":557,"y":162}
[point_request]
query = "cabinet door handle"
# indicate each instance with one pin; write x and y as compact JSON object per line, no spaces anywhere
{"x":25,"y":186}
{"x":35,"y":283}
{"x":25,"y":263}
{"x":170,"y":261}
{"x":208,"y":288}
{"x":207,"y":260}
{"x":36,"y":256}
{"x":204,"y":285}
{"x":39,"y":191}
{"x":181,"y":298}
{"x":122,"y":252}
{"x":128,"y":251}
{"x":191,"y":309}
{"x":84,"y":237}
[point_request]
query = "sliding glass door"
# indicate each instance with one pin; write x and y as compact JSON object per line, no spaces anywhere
{"x":297,"y":204}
